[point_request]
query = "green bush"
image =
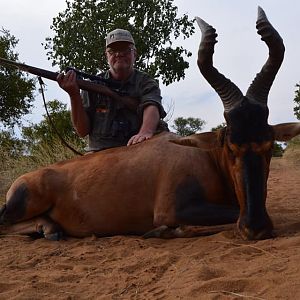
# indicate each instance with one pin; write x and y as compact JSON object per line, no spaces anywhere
{"x":277,"y":150}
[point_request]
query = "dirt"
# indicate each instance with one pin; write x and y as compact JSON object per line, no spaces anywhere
{"x":221,"y":266}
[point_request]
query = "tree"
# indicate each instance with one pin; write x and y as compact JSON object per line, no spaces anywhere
{"x":277,"y":150}
{"x":187,"y":126}
{"x":220,"y":126}
{"x":16,"y":89}
{"x":297,"y":102}
{"x":81,"y":29}
{"x":36,"y":135}
{"x":10,"y":145}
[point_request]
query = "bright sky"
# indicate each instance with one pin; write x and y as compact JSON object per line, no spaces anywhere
{"x":239,"y":54}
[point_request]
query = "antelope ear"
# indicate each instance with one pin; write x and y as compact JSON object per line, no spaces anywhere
{"x":205,"y":140}
{"x":286,"y":131}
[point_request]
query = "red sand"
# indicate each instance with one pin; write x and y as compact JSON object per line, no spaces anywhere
{"x":221,"y":266}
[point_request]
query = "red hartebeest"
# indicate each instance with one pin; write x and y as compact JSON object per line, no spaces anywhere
{"x":160,"y":185}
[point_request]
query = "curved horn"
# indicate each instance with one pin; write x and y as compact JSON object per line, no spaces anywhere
{"x":228,"y":91}
{"x":260,"y":87}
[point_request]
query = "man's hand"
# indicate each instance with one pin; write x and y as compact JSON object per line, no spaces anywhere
{"x":79,"y":117}
{"x":140,"y":137}
{"x":149,"y":125}
{"x":68,"y":83}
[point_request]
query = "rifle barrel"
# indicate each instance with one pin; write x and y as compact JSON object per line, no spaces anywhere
{"x":83,"y":84}
{"x":29,"y":69}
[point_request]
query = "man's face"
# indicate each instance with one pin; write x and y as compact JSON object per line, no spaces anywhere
{"x":121,"y":57}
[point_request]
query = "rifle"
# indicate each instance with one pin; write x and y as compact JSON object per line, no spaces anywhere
{"x":101,"y":85}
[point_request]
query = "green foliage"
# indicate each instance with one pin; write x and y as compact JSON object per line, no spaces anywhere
{"x":41,"y":134}
{"x":277,"y":150}
{"x":81,"y":29}
{"x":10,"y":145}
{"x":187,"y":126}
{"x":16,"y":90}
{"x":220,"y":126}
{"x":297,"y":102}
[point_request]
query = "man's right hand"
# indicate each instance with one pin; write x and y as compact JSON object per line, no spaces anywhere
{"x":79,"y":117}
{"x":68,"y":83}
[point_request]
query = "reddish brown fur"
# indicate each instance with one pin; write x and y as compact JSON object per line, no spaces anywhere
{"x":132,"y":189}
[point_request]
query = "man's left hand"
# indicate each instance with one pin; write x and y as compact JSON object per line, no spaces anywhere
{"x":140,"y":137}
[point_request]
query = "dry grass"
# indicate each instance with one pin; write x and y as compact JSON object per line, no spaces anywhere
{"x":292,"y":152}
{"x":13,"y":167}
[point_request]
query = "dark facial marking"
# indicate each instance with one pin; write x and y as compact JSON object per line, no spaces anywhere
{"x":255,"y":185}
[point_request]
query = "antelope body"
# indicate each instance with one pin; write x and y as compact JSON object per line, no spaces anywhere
{"x":167,"y":186}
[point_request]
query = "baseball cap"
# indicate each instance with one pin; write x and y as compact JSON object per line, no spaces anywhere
{"x":119,"y":35}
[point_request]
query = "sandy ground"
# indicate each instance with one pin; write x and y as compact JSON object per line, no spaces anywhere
{"x":221,"y":266}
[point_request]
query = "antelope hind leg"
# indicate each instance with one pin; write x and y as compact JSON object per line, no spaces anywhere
{"x":43,"y":226}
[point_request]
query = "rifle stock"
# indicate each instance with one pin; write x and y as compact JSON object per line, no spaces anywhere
{"x":130,"y":102}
